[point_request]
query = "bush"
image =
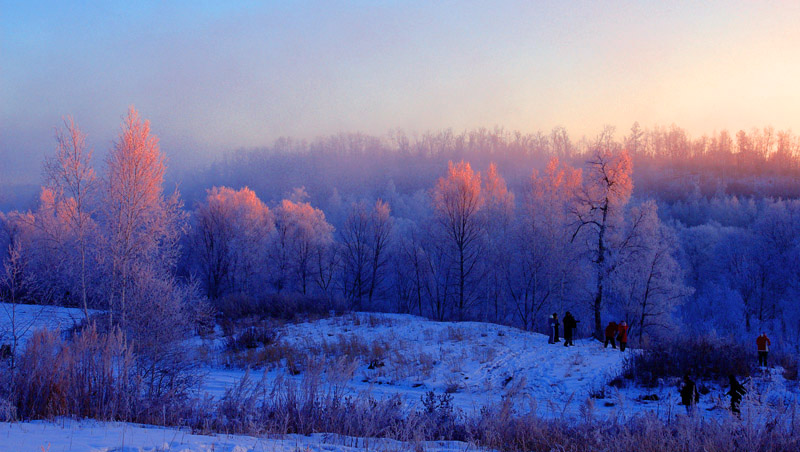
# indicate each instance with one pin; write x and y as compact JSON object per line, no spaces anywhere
{"x":97,"y":375}
{"x":251,"y":337}
{"x":705,"y":357}
{"x":289,"y":307}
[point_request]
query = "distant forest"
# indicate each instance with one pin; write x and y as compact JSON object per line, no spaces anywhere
{"x":669,"y":165}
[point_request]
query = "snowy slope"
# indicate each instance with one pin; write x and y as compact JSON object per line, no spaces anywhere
{"x":92,"y":436}
{"x":478,"y":363}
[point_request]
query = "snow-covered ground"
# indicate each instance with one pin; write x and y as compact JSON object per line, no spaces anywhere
{"x":22,"y":320}
{"x":90,"y":436}
{"x":384,"y":355}
{"x":478,"y":363}
{"x":481,"y":363}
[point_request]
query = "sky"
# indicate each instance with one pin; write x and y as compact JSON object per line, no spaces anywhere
{"x":215,"y":76}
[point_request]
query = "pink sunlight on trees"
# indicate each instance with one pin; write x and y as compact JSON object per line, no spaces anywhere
{"x":546,"y":225}
{"x":142,"y":225}
{"x":457,"y":201}
{"x":230,"y":227}
{"x":598,"y":213}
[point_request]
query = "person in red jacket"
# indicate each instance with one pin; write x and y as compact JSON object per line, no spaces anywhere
{"x":611,"y":334}
{"x":622,"y":335}
{"x":763,"y":344}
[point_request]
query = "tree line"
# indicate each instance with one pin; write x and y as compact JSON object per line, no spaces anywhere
{"x":565,"y":231}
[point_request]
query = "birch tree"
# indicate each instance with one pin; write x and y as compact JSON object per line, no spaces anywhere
{"x":598,"y":213}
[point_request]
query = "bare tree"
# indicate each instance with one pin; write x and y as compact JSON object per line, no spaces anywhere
{"x":365,"y":238}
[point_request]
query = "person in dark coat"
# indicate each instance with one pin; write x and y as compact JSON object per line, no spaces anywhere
{"x":689,"y":394}
{"x":611,"y":334}
{"x":763,"y":344}
{"x":569,"y":328}
{"x":558,"y":324}
{"x":737,"y":391}
{"x":553,"y":322}
{"x":622,"y":335}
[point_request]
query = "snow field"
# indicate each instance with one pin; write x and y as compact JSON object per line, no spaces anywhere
{"x":91,"y":436}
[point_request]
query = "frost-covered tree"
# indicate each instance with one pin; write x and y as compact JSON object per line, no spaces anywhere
{"x":457,"y":202}
{"x":140,"y":224}
{"x":231,"y":233}
{"x":19,"y":283}
{"x":499,"y":214}
{"x":69,"y":197}
{"x":541,"y":264}
{"x":301,"y":230}
{"x":598,"y":213}
{"x":648,"y":281}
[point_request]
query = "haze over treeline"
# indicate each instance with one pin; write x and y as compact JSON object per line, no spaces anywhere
{"x":670,"y":164}
{"x":648,"y":225}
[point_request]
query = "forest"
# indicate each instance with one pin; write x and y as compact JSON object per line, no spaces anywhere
{"x":672,"y":234}
{"x":694,"y":243}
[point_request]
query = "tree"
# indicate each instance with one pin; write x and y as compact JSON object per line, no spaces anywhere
{"x":499,"y":213}
{"x":301,"y":231}
{"x":541,"y":264}
{"x":598,"y":212}
{"x":634,"y":142}
{"x":141,"y":225}
{"x":365,"y":238}
{"x":71,"y":181}
{"x":648,"y":279}
{"x":457,"y":204}
{"x":231,"y":235}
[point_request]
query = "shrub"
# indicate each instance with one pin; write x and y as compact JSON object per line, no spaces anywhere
{"x":704,"y":356}
{"x":288,"y":307}
{"x":251,"y":337}
{"x":98,"y":375}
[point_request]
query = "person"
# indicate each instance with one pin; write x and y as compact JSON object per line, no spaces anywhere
{"x":569,"y":328}
{"x":763,"y":344}
{"x":553,"y":321}
{"x":556,"y":338}
{"x":622,"y":335}
{"x":611,"y":334}
{"x":736,"y":392}
{"x":689,"y":394}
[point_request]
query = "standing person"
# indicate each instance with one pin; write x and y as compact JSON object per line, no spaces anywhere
{"x":555,"y":315}
{"x":569,"y":328}
{"x":611,"y":333}
{"x":736,"y":392}
{"x":622,"y":335}
{"x":763,"y":344}
{"x":553,"y":322}
{"x":689,"y":394}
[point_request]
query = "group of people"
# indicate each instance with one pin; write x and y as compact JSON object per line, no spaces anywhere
{"x":616,"y":332}
{"x":569,"y":328}
{"x":736,"y":391}
{"x":690,"y":396}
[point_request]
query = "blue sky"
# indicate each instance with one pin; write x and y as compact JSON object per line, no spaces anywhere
{"x":215,"y":76}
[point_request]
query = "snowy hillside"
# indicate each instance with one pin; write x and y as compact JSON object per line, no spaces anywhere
{"x":478,"y":363}
{"x":378,"y":356}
